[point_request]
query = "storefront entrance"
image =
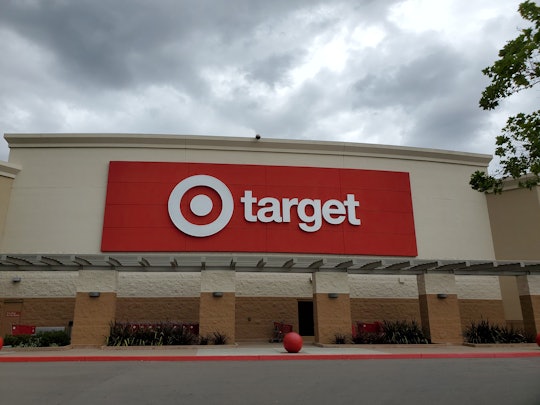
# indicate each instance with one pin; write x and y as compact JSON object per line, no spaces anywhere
{"x":305,"y":318}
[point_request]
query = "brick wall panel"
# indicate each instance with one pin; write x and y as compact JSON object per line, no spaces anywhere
{"x":92,"y":319}
{"x":158,"y":309}
{"x":476,"y":310}
{"x":332,"y":316}
{"x":255,"y":316}
{"x":384,"y":309}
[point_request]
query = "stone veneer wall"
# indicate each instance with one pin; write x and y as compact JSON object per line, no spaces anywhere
{"x":255,"y":316}
{"x":265,"y":298}
{"x":40,"y":298}
{"x":382,"y":297}
{"x":158,"y":297}
{"x":45,"y":298}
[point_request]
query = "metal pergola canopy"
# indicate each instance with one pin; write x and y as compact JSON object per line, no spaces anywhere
{"x":189,"y":262}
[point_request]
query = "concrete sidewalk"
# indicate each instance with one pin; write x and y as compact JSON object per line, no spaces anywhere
{"x":265,"y":351}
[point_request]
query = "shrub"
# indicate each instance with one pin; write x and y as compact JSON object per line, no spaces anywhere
{"x":219,"y":338}
{"x":368,"y":338}
{"x":340,"y":339}
{"x":393,"y":332}
{"x":166,"y":333}
{"x":403,"y":332}
{"x":40,"y":339}
{"x":484,"y":332}
{"x":204,"y":340}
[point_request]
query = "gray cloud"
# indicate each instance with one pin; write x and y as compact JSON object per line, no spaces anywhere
{"x":288,"y":69}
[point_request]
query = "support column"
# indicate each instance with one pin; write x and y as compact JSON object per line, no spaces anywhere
{"x":95,"y":307}
{"x":218,"y":303}
{"x":529,"y":297}
{"x":332,"y":305}
{"x":439,"y":308}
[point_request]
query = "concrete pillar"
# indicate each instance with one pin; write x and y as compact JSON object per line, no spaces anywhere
{"x":511,"y":303}
{"x":439,"y":308}
{"x":95,"y":307}
{"x":529,"y":297}
{"x":332,"y":305}
{"x":218,"y":303}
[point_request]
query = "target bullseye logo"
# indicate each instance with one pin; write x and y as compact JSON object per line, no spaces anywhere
{"x":200,"y":205}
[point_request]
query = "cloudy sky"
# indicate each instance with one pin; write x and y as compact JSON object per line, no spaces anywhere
{"x":393,"y":72}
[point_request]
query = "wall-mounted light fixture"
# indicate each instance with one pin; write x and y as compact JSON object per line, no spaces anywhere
{"x":217,"y":294}
{"x":442,"y":296}
{"x":94,"y":294}
{"x":333,"y":295}
{"x":16,"y":279}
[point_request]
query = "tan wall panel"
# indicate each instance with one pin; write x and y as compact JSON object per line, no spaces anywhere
{"x":441,"y":318}
{"x":332,"y":316}
{"x":92,"y":319}
{"x":476,"y":310}
{"x":530,"y":305}
{"x":37,"y":312}
{"x":255,"y":316}
{"x":11,"y":306}
{"x":387,"y":309}
{"x":151,"y":310}
{"x":515,"y":220}
{"x":510,"y":297}
{"x":217,"y":314}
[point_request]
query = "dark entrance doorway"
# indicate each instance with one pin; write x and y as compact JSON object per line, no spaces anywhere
{"x":305,"y":318}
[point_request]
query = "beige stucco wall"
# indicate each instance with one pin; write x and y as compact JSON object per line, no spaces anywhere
{"x":7,"y":173}
{"x":57,"y":200}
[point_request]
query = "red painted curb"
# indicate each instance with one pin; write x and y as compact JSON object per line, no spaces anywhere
{"x":279,"y":357}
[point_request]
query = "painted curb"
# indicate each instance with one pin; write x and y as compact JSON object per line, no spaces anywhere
{"x":288,"y":357}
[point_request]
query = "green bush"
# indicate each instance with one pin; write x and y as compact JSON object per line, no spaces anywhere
{"x":340,"y":339}
{"x":368,"y":338}
{"x":40,"y":339}
{"x":219,"y":338}
{"x":403,"y":332}
{"x":393,"y":332}
{"x":484,"y":332}
{"x":159,"y":334}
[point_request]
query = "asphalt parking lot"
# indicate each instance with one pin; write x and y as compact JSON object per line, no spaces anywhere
{"x":386,"y":381}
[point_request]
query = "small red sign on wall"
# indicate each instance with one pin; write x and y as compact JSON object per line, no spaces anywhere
{"x":13,"y":314}
{"x":194,"y":207}
{"x":23,"y":330}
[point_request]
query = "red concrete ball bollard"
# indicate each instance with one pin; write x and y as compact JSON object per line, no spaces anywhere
{"x":292,"y":342}
{"x":538,"y":339}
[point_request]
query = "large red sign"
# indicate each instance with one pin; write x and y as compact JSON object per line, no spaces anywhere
{"x":195,"y":207}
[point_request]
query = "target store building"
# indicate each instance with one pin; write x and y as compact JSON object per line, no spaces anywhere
{"x":234,"y":234}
